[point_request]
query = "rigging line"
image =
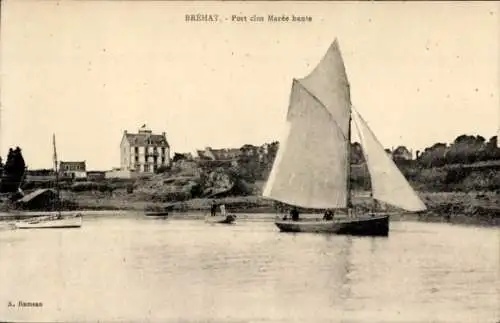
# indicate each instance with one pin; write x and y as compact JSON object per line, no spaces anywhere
{"x":322,"y":105}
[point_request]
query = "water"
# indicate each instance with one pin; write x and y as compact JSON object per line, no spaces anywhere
{"x":134,"y":269}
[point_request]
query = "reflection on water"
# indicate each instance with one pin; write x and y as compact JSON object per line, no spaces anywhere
{"x":135,"y":269}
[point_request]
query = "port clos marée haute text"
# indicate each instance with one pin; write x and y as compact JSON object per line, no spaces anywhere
{"x":242,"y":18}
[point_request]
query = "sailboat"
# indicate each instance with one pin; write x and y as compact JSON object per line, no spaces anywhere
{"x":312,"y":165}
{"x":57,"y":220}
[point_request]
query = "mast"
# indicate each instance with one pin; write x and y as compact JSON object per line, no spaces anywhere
{"x":349,"y":199}
{"x":55,"y":169}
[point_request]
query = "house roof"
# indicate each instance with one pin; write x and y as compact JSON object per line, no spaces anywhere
{"x":144,"y":139}
{"x":73,"y":163}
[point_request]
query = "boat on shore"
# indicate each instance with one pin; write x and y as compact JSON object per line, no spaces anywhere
{"x":313,"y":163}
{"x":223,"y":218}
{"x":56,"y":220}
{"x":51,"y":222}
{"x":156,"y":213}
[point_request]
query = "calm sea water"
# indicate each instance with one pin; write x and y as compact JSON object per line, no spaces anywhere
{"x":134,"y":269}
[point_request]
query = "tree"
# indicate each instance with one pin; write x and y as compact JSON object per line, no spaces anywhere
{"x":13,"y":171}
{"x":492,"y":151}
{"x":433,"y":156}
{"x":466,"y":150}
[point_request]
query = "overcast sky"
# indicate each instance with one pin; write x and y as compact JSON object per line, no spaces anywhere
{"x":420,"y":73}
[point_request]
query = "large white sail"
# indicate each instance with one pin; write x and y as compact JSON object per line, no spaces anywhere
{"x":329,"y":84}
{"x":388,"y":183}
{"x":311,"y":167}
{"x":283,"y":141}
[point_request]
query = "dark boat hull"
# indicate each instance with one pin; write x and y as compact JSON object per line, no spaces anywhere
{"x":376,"y":225}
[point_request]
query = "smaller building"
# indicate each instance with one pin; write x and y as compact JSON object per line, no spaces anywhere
{"x":402,"y":153}
{"x":73,"y":169}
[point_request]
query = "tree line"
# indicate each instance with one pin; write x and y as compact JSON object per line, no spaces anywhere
{"x":464,"y":149}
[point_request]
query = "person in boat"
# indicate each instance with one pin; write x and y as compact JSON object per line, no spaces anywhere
{"x":213,"y":209}
{"x":294,"y":213}
{"x":223,"y":209}
{"x":328,"y":215}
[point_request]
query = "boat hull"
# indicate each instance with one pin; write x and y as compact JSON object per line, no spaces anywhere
{"x":223,"y":219}
{"x":161,"y":213}
{"x":376,"y":225}
{"x":39,"y":223}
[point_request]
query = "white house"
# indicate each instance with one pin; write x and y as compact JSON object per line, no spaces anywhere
{"x":144,"y":152}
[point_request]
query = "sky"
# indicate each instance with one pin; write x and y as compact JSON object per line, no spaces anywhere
{"x":420,"y":73}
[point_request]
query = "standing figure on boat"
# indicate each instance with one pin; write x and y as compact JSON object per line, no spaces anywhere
{"x":223,"y":209}
{"x":213,"y":209}
{"x":294,"y":213}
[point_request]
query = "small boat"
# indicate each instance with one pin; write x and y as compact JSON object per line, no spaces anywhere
{"x":312,"y":168}
{"x":156,"y":213}
{"x":223,"y":218}
{"x":51,"y":222}
{"x":57,"y":220}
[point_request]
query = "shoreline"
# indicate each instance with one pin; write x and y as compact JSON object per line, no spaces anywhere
{"x":482,"y":208}
{"x":250,"y":216}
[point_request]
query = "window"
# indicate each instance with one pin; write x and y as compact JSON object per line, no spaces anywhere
{"x":136,"y":150}
{"x":146,"y":167}
{"x":163,"y":151}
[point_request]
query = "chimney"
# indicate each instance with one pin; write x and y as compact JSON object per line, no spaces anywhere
{"x":125,"y":131}
{"x":163,"y":133}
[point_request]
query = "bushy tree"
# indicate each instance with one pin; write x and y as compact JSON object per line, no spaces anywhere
{"x":433,"y":156}
{"x":465,"y":149}
{"x":13,"y":171}
{"x":491,"y":151}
